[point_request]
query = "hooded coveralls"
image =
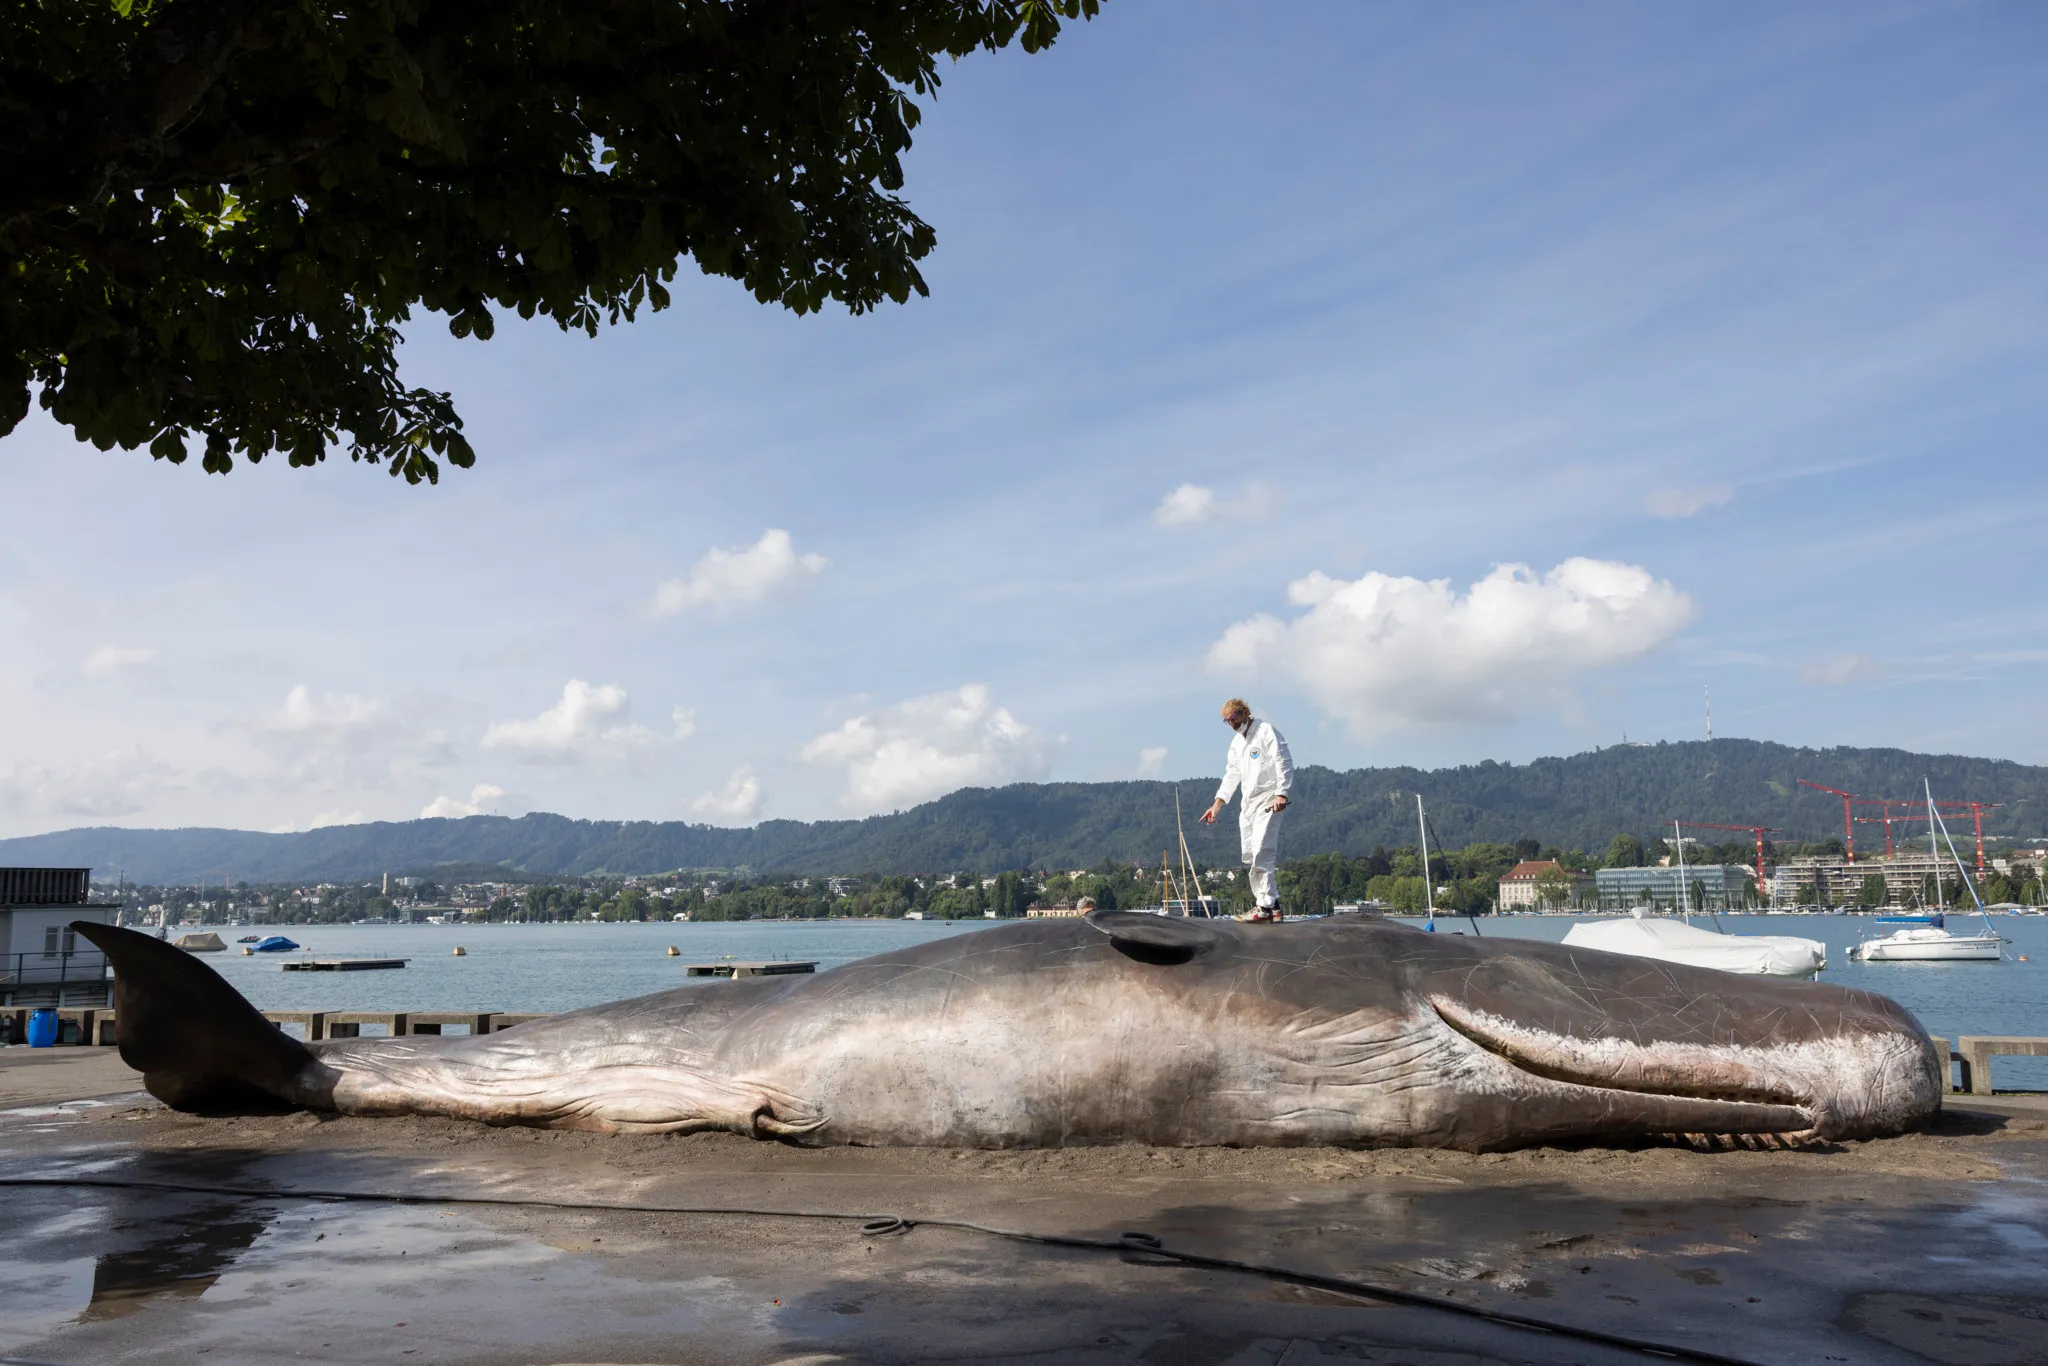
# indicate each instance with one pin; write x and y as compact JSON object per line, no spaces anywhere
{"x":1260,"y":763}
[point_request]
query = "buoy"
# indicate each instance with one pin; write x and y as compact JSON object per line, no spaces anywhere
{"x":460,"y":952}
{"x":247,"y":952}
{"x":674,"y":952}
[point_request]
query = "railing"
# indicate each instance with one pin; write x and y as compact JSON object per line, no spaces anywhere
{"x":45,"y":886}
{"x":46,"y":973}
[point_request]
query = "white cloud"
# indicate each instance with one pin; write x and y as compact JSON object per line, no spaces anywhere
{"x":345,"y":717}
{"x":925,"y":747}
{"x":1685,"y":502}
{"x":588,"y":723}
{"x":108,"y":659}
{"x":1382,"y":651}
{"x":113,"y":785}
{"x":730,"y":578}
{"x":321,"y":821}
{"x":684,"y":721}
{"x":1152,"y":762}
{"x":1196,"y":505}
{"x":327,"y":818}
{"x":1843,"y":668}
{"x":736,"y":800}
{"x":344,"y":742}
{"x":483,"y":801}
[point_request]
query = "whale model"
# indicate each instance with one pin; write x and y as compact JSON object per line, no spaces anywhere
{"x":1121,"y":1028}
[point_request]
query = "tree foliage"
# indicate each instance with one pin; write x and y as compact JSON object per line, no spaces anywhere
{"x":215,"y":214}
{"x":1573,"y":804}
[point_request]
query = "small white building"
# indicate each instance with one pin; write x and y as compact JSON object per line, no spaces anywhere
{"x":43,"y":961}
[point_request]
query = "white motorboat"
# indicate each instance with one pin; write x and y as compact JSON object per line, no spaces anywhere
{"x":1674,"y":941}
{"x":1930,"y":945}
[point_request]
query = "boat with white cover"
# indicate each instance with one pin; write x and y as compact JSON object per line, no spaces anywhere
{"x":1674,"y":941}
{"x":1681,"y":941}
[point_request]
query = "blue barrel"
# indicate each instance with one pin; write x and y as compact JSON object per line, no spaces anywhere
{"x":42,"y":1028}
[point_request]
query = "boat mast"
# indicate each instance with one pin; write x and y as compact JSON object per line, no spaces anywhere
{"x":1428,"y":891}
{"x":1961,"y":871}
{"x":1933,"y":849}
{"x":1684,"y":904}
{"x":1190,"y":876}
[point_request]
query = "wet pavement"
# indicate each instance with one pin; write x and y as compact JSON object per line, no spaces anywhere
{"x":42,"y":1076}
{"x":1925,"y":1248}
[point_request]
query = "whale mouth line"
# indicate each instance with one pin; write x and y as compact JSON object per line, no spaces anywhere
{"x":1523,"y":1060}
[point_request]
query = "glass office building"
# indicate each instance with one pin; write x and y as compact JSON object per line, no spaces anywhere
{"x":1709,"y":886}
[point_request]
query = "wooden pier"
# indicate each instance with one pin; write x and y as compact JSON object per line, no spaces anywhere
{"x":764,"y":969}
{"x":344,"y":964}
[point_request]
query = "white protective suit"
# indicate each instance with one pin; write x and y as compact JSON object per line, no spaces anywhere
{"x":1260,"y":764}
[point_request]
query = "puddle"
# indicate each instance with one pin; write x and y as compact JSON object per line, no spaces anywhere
{"x":68,"y":1107}
{"x":184,"y":1259}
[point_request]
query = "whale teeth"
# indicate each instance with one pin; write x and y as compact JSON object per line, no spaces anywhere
{"x":1728,"y":1143}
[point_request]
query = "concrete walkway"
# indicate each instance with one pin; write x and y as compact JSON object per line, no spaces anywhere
{"x":44,"y":1076}
{"x":1922,"y":1248}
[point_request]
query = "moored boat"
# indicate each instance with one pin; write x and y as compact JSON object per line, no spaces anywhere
{"x":1673,"y":941}
{"x":1930,"y":941}
{"x":1930,"y":944}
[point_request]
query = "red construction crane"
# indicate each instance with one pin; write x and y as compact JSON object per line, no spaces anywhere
{"x":1757,"y":830}
{"x":1886,"y":816}
{"x":1917,"y":811}
{"x":1848,"y":827}
{"x":1898,"y":809}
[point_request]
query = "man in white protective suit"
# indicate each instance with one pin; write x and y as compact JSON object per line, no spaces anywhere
{"x":1260,"y":764}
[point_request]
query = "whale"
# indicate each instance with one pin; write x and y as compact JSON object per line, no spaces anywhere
{"x":1120,"y":1028}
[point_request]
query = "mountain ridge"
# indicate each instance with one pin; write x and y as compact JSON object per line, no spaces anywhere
{"x":1577,"y":801}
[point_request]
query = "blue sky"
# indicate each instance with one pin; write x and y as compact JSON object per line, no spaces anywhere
{"x":1263,"y":343}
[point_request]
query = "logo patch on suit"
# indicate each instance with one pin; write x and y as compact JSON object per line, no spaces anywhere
{"x":1255,"y":754}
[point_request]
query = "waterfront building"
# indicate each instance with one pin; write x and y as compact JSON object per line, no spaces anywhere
{"x":1519,"y":890}
{"x":43,"y":962}
{"x":1064,"y":910}
{"x":1708,"y":887}
{"x":1831,"y":880}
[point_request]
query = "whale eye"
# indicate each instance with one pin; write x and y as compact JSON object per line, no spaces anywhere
{"x":1155,"y":939}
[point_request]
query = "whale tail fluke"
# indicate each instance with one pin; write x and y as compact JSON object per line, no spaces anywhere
{"x":197,"y":1042}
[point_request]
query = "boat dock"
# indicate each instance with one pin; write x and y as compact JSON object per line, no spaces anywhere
{"x":344,"y":964}
{"x":762,"y":969}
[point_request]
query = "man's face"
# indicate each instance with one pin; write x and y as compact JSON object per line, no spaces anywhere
{"x":1236,"y":719}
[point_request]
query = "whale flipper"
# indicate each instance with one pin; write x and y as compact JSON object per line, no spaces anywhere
{"x":198,"y":1044}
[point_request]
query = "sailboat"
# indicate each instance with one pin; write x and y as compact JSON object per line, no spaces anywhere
{"x":1429,"y":888}
{"x":1933,"y":943}
{"x":1667,"y":941}
{"x":1193,"y":901}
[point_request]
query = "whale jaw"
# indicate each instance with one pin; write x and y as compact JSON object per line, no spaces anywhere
{"x":1726,"y":1094}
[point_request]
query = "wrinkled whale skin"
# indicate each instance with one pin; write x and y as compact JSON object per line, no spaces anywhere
{"x":1135,"y":1029}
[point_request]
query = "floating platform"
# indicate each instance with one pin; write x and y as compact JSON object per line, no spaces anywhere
{"x":748,"y":969}
{"x":344,"y":964}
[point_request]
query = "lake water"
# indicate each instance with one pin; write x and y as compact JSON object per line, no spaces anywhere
{"x":548,"y":968}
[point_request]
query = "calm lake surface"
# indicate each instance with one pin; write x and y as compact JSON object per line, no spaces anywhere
{"x":547,"y":968}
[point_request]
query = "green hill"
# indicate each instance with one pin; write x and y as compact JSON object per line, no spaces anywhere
{"x":1578,"y":802}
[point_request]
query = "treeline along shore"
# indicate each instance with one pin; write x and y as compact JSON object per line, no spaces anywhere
{"x":1466,"y":880}
{"x":1578,"y":803}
